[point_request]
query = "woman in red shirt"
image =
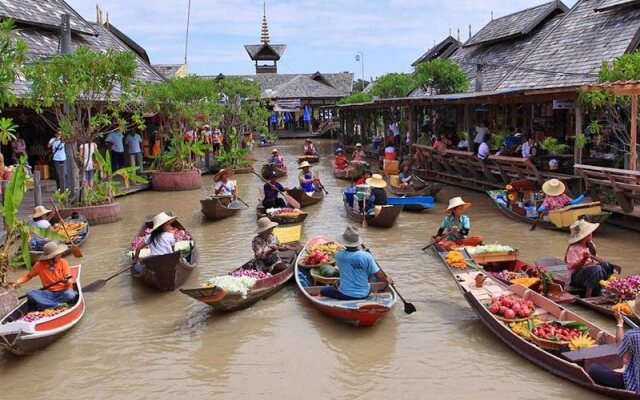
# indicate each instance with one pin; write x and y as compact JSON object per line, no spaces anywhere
{"x":341,"y":160}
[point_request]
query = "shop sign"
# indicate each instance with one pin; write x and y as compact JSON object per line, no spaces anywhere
{"x":564,"y":104}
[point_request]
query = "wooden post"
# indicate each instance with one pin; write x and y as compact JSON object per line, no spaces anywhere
{"x":412,"y":125}
{"x":577,"y":152}
{"x":633,"y":156}
{"x":467,"y":126}
{"x":37,"y":188}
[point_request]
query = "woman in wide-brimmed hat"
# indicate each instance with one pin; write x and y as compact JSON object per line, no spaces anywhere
{"x":41,"y":221}
{"x":308,"y":179}
{"x":556,"y":198}
{"x":586,"y":269}
{"x":628,"y":350}
{"x":53,"y":270}
{"x":359,"y":154}
{"x":455,"y":227}
{"x":222,"y":185}
{"x":265,"y":247}
{"x":377,"y":194}
{"x":276,"y":159}
{"x":161,"y":240}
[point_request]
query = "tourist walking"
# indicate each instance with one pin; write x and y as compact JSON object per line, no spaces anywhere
{"x":59,"y":160}
{"x":134,"y":149}
{"x":115,"y":140}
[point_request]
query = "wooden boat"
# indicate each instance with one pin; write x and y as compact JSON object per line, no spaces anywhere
{"x":415,"y":189}
{"x":360,"y":313}
{"x":221,"y":300}
{"x":268,"y":169}
{"x":571,"y":365}
{"x":78,"y":240}
{"x":557,"y":219}
{"x":352,"y":172}
{"x":282,"y":220}
{"x":600,"y":304}
{"x":385,"y":218}
{"x":303,"y":198}
{"x":415,"y":203}
{"x":309,"y":159}
{"x":22,"y":337}
{"x":218,"y":207}
{"x":267,"y":144}
{"x":245,"y":170}
{"x":167,"y":271}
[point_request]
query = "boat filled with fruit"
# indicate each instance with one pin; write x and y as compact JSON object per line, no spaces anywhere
{"x":537,"y":328}
{"x":315,"y":261}
{"x":77,"y":231}
{"x":243,"y":286}
{"x":283,"y":216}
{"x":25,"y":330}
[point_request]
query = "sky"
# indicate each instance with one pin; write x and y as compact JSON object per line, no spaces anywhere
{"x":320,"y":36}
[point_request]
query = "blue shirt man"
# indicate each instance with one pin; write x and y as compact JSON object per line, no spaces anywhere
{"x":133,"y":142}
{"x":115,"y":139}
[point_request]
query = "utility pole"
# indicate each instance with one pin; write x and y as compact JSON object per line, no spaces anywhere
{"x":360,"y":57}
{"x":186,"y":40}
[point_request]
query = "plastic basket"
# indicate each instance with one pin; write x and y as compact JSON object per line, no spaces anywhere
{"x":288,"y":233}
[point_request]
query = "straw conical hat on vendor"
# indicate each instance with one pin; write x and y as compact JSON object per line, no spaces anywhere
{"x":635,"y":306}
{"x":553,"y":187}
{"x":457,"y":202}
{"x":376,"y":181}
{"x":305,"y":164}
{"x":228,"y":171}
{"x":39,"y":211}
{"x":581,"y":229}
{"x":162,"y":219}
{"x":51,"y":250}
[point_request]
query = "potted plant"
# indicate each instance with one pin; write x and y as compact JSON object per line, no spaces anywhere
{"x":175,"y":169}
{"x":553,"y":146}
{"x":86,"y":94}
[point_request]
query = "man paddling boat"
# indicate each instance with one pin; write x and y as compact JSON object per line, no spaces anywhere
{"x":271,"y":191}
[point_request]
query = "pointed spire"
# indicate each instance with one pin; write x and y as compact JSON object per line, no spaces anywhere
{"x":264,"y":36}
{"x":469,"y":31}
{"x":458,"y":34}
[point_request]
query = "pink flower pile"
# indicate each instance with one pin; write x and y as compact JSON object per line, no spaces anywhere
{"x":509,"y":275}
{"x":625,"y":288}
{"x":283,"y":210}
{"x":250,"y":273}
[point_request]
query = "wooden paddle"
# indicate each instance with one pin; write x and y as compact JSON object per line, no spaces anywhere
{"x":629,"y":321}
{"x":100,"y":283}
{"x":237,"y":197}
{"x":365,"y":223}
{"x":536,"y":222}
{"x":322,"y":186}
{"x":74,"y":249}
{"x":66,"y":278}
{"x":435,"y":241}
{"x":293,"y":202}
{"x":408,"y":307}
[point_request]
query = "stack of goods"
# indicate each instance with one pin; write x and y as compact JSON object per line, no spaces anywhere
{"x":74,"y":228}
{"x":508,"y":276}
{"x":232,"y":284}
{"x":489,"y":248}
{"x":49,"y":312}
{"x":321,"y":253}
{"x":455,"y":259}
{"x":524,"y":328}
{"x":556,"y":334}
{"x":251,"y":273}
{"x":511,"y":308}
{"x":622,"y":288}
{"x":284,"y":212}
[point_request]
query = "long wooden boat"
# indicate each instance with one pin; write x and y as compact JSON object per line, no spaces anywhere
{"x":571,"y":365}
{"x":217,"y":207}
{"x":568,"y":214}
{"x":414,"y":204}
{"x":352,"y":172}
{"x":600,"y":304}
{"x":417,"y":189}
{"x":78,"y":239}
{"x":267,"y":144}
{"x":309,"y":159}
{"x":22,"y":337}
{"x":282,"y":220}
{"x":166,"y":271}
{"x":386,"y":218}
{"x":303,"y":198}
{"x":268,"y":169}
{"x":221,"y":300}
{"x":360,"y":313}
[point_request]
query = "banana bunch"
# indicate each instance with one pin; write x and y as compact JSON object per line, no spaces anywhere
{"x":583,"y":341}
{"x":329,"y":248}
{"x":455,"y":259}
{"x":523,"y":328}
{"x":526,"y":282}
{"x":622,"y":308}
{"x":74,"y":228}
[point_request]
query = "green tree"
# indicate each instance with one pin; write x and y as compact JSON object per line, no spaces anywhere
{"x":359,"y":97}
{"x":440,"y":76}
{"x":86,"y":94}
{"x":393,"y":85}
{"x":617,"y":110}
{"x":12,"y":52}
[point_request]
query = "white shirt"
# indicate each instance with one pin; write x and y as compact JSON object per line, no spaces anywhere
{"x":463,"y":144}
{"x":526,"y":150}
{"x":483,"y":151}
{"x":228,"y":187}
{"x":57,"y":147}
{"x":394,"y":127}
{"x":480,"y":133}
{"x":87,"y":154}
{"x":42,"y":223}
{"x":163,"y":244}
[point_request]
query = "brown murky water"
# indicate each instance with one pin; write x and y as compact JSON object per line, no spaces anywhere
{"x":136,"y":343}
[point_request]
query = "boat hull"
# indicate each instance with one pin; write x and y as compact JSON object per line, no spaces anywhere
{"x":268,"y":169}
{"x":303,"y":198}
{"x":385,"y":219}
{"x":260,"y":212}
{"x":309,"y":159}
{"x":217,"y":208}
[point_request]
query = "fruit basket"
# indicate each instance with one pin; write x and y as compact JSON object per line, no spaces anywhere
{"x":510,"y":308}
{"x":320,"y":254}
{"x":318,"y":277}
{"x":556,"y":335}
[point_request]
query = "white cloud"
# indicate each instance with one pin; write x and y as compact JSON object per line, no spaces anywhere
{"x":321,"y":35}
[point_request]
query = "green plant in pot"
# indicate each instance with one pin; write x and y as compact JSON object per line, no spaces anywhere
{"x":178,"y":157}
{"x":553,"y":146}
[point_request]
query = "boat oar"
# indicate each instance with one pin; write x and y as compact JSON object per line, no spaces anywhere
{"x":100,"y":283}
{"x":287,"y":197}
{"x":74,"y":249}
{"x":242,"y":201}
{"x":365,"y":223}
{"x":435,"y":241}
{"x":629,"y":321}
{"x":322,"y":186}
{"x":66,"y":278}
{"x":408,"y":307}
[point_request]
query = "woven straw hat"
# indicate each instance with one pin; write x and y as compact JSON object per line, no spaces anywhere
{"x":553,"y":187}
{"x":264,"y":224}
{"x":580,"y":230}
{"x":228,"y":171}
{"x":39,"y":211}
{"x":51,"y":250}
{"x":457,"y":202}
{"x":376,"y":181}
{"x":274,"y":151}
{"x":162,"y":219}
{"x":635,"y":306}
{"x":351,"y":237}
{"x":304,"y":165}
{"x":358,"y":144}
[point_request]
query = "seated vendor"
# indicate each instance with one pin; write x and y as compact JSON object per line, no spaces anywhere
{"x":309,"y":148}
{"x":555,"y":197}
{"x":356,"y":268}
{"x":308,"y":179}
{"x":222,"y":185}
{"x":378,"y":195}
{"x":341,"y":161}
{"x":53,"y":270}
{"x":358,"y":153}
{"x":266,"y":246}
{"x":40,"y":220}
{"x":455,"y":227}
{"x":363,"y":179}
{"x":405,"y":175}
{"x":586,"y":269}
{"x":271,"y":191}
{"x":276,"y":159}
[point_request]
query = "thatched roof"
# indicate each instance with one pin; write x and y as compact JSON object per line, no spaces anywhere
{"x":44,"y":14}
{"x":443,"y":49}
{"x":516,"y":25}
{"x":611,"y":4}
{"x":265,"y":51}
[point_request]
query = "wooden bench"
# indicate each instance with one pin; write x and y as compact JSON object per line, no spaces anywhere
{"x":605,"y":354}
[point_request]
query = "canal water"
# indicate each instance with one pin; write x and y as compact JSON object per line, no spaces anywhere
{"x":136,"y":343}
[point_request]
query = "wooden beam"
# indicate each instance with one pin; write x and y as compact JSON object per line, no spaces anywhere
{"x":577,"y":152}
{"x":633,"y":156}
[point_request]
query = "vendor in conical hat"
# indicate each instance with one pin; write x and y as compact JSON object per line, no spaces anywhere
{"x":222,"y":185}
{"x":41,"y":221}
{"x":455,"y":227}
{"x":377,"y":194}
{"x":359,"y":154}
{"x":586,"y":269}
{"x":265,"y":247}
{"x":308,"y":179}
{"x":276,"y":158}
{"x":160,"y":241}
{"x":628,"y":350}
{"x":556,"y":198}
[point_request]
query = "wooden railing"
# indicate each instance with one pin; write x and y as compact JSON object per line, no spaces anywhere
{"x":623,"y":184}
